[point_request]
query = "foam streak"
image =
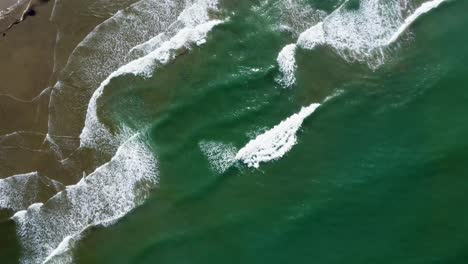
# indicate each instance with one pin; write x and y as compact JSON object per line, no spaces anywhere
{"x":276,"y":142}
{"x":424,"y":8}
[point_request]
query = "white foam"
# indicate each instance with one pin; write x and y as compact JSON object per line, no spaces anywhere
{"x":62,"y":249}
{"x":166,"y":51}
{"x":150,"y":45}
{"x":14,"y":189}
{"x":287,"y":64}
{"x":221,"y":156}
{"x":295,"y":16}
{"x":63,"y":253}
{"x":35,"y":206}
{"x":110,"y":192}
{"x":424,"y":8}
{"x":19,"y":215}
{"x":333,"y":95}
{"x":198,"y":13}
{"x":357,"y":35}
{"x":276,"y":142}
{"x":22,"y":190}
{"x":312,"y":37}
{"x":195,"y":14}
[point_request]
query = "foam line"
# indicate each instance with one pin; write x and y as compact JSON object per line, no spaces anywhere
{"x":423,"y":9}
{"x":166,"y":52}
{"x":276,"y":142}
{"x":105,"y":195}
{"x":62,"y":249}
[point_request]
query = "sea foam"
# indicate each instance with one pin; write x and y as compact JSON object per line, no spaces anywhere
{"x":221,"y":156}
{"x":276,"y":142}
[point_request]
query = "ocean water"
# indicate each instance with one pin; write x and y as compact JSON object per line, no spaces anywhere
{"x":252,"y":131}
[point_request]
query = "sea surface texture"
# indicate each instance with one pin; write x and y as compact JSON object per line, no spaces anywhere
{"x":234,"y":131}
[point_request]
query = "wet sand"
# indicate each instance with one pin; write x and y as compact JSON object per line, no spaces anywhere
{"x":32,"y":57}
{"x":26,"y":53}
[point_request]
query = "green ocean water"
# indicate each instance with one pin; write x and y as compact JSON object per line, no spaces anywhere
{"x":378,"y":174}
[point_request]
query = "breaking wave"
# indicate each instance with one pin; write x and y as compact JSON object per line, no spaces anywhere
{"x":276,"y":142}
{"x":107,"y":194}
{"x":360,"y":35}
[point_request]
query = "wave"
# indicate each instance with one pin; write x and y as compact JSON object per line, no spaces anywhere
{"x":276,"y":142}
{"x":197,"y":25}
{"x":101,"y":52}
{"x":110,"y":192}
{"x":360,"y":35}
{"x":424,"y":8}
{"x":287,"y":65}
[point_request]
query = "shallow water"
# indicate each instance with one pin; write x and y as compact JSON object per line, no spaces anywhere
{"x":374,"y":175}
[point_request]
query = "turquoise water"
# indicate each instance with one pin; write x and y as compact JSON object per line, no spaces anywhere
{"x":377,"y":175}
